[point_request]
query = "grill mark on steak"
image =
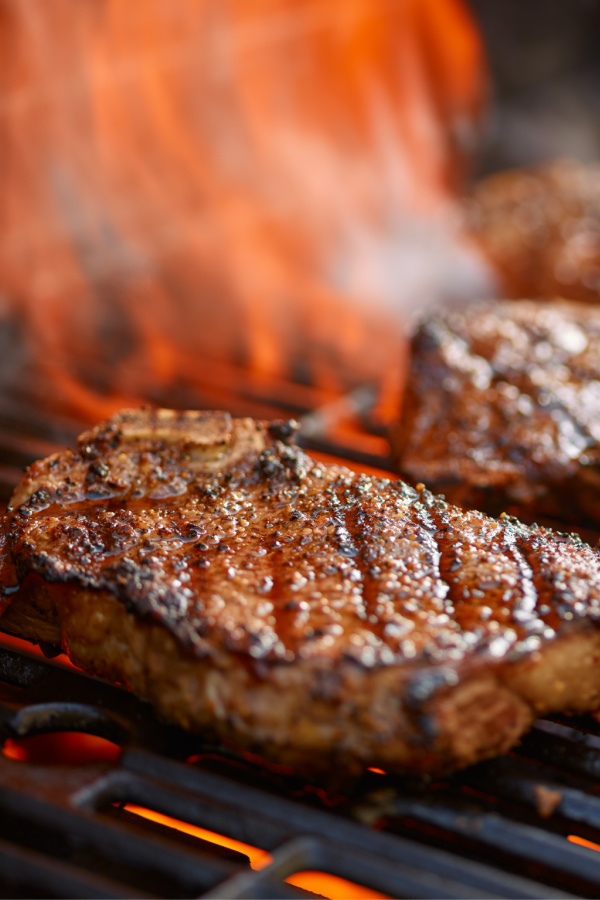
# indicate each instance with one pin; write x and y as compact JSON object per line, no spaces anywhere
{"x":342,"y":557}
{"x":489,"y":580}
{"x":563,"y":566}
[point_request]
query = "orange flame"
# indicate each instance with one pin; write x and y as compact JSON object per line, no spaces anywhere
{"x":12,"y":642}
{"x":583,"y":842}
{"x":220,"y":181}
{"x":74,"y":748}
{"x":327,"y":885}
{"x":258,"y":858}
{"x":63,"y":748}
{"x":333,"y":887}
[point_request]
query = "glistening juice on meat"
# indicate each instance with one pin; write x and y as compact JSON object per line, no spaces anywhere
{"x":314,"y":615}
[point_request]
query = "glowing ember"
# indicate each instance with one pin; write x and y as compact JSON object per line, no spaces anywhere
{"x":258,"y":858}
{"x":11,"y":642}
{"x":575,"y":839}
{"x":65,"y":748}
{"x":333,"y":887}
{"x":319,"y":882}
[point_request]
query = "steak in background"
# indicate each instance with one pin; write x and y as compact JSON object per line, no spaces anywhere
{"x":502,"y":409}
{"x":540,"y":230}
{"x":325,"y":619}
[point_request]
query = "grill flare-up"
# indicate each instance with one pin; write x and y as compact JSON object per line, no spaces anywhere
{"x":320,"y":617}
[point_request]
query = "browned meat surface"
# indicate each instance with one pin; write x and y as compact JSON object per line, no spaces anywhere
{"x":540,"y":229}
{"x":322,"y":618}
{"x":502,"y":410}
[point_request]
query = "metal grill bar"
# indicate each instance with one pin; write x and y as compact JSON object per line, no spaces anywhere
{"x":506,"y":836}
{"x":393,"y":879}
{"x":101,"y":847}
{"x":29,"y":873}
{"x":60,"y":811}
{"x":228,"y":806}
{"x":561,"y":745}
{"x":521,"y":780}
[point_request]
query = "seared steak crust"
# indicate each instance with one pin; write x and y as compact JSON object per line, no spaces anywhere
{"x":502,"y":410}
{"x":319,"y":616}
{"x":540,"y":230}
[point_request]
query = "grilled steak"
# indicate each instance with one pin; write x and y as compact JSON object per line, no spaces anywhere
{"x":502,"y":409}
{"x":318,"y":616}
{"x":540,"y":230}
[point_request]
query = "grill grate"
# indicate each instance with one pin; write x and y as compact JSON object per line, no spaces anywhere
{"x":67,"y":830}
{"x":62,"y":833}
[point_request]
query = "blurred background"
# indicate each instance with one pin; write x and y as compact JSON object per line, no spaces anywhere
{"x":545,"y":82}
{"x":245,"y":203}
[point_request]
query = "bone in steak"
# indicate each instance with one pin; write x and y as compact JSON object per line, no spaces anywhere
{"x":502,"y":409}
{"x":320,"y":617}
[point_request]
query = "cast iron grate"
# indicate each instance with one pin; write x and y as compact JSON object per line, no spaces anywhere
{"x":67,"y":830}
{"x":478,"y":834}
